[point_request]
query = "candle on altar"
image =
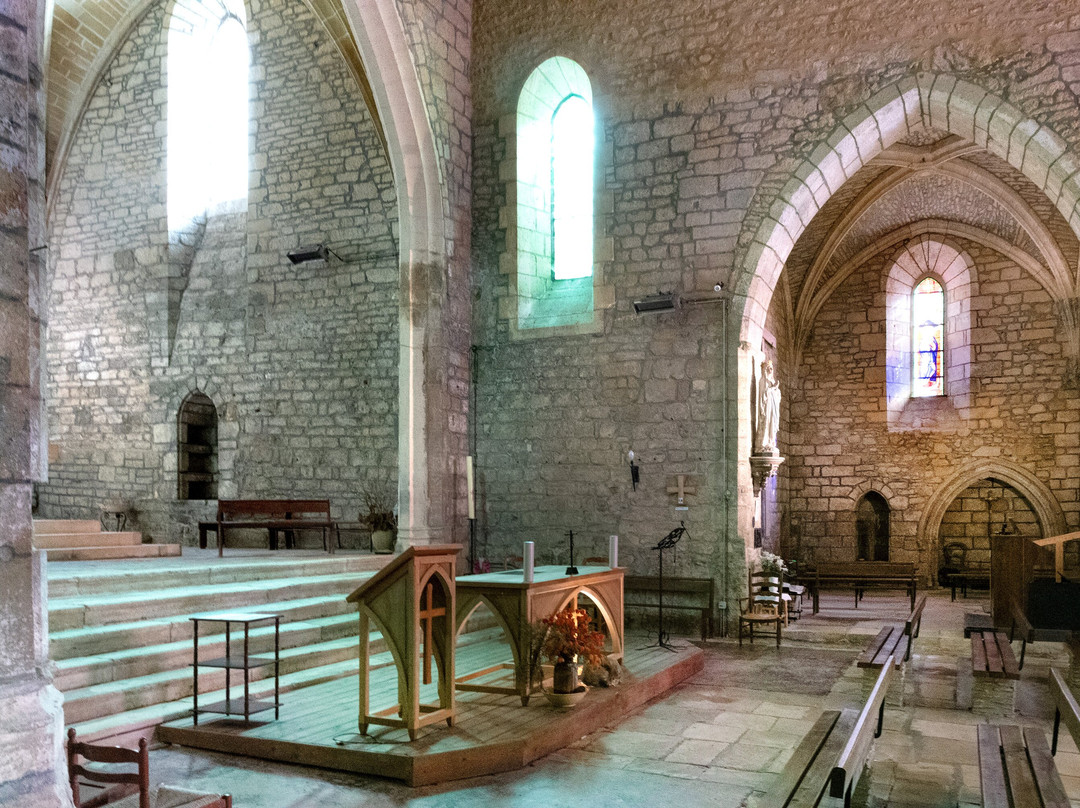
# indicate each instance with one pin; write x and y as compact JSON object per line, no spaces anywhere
{"x":469,"y":485}
{"x":613,"y":551}
{"x":528,"y":554}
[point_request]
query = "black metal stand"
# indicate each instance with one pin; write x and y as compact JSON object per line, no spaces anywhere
{"x":670,"y":540}
{"x":472,"y":545}
{"x":571,"y":570}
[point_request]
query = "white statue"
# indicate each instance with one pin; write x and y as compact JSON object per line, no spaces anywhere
{"x":768,"y":406}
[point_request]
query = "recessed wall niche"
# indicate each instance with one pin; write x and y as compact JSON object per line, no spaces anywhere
{"x":196,"y":435}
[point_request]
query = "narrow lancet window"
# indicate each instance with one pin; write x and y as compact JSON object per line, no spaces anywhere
{"x":928,"y":335}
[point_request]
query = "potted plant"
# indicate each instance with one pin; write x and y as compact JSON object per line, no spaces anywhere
{"x":378,"y":516}
{"x":568,"y":641}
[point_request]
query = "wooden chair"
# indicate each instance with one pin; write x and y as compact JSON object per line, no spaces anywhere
{"x":127,"y":787}
{"x":763,"y":605}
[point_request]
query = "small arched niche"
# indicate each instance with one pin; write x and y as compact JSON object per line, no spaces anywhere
{"x":872,"y":527}
{"x":196,"y":449}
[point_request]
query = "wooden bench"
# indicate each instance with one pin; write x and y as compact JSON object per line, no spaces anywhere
{"x":887,"y":642}
{"x":1016,"y":768}
{"x":863,"y":575}
{"x":272,"y":515}
{"x":685,"y":594}
{"x":1027,"y":632}
{"x":994,"y":671}
{"x":830,"y":759}
{"x":969,"y":576}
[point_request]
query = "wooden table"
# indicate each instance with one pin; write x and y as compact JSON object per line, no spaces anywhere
{"x":518,"y":605}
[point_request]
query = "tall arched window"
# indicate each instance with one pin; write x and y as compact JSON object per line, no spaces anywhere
{"x":555,"y":168}
{"x":208,"y":57}
{"x":928,"y":338}
{"x":928,"y":353}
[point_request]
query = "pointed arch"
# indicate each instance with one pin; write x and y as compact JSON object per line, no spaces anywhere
{"x":1047,"y":509}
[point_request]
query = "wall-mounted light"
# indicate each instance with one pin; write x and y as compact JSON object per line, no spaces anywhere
{"x":314,"y":252}
{"x":664,"y":301}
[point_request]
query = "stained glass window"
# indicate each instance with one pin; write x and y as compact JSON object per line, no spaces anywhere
{"x":928,"y":339}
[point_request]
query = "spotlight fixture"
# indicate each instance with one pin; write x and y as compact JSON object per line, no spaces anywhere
{"x":665,"y":301}
{"x":314,"y":252}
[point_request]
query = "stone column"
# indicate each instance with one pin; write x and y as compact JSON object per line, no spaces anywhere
{"x":32,"y":771}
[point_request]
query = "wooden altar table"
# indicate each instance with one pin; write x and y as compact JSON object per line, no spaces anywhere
{"x":518,"y":605}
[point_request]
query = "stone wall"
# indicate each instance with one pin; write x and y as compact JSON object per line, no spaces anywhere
{"x":1021,"y":413}
{"x":709,"y":111}
{"x":300,"y":360}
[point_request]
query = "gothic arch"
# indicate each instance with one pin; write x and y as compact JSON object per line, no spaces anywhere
{"x":939,"y":101}
{"x":1047,"y":509}
{"x":873,"y":484}
{"x":926,"y":99}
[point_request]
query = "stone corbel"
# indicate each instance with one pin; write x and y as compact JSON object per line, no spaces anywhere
{"x":762,"y":467}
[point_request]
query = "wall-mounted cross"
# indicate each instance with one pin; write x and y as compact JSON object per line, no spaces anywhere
{"x":681,"y":488}
{"x":426,"y":614}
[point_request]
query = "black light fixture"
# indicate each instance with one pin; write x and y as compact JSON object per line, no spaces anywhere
{"x":314,"y":252}
{"x":663,"y":301}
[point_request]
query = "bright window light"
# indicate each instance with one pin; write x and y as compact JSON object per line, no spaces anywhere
{"x":572,"y":189}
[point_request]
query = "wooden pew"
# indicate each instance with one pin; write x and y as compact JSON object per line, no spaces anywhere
{"x":863,"y":575}
{"x":1016,"y":768}
{"x":831,"y":757}
{"x":272,"y":515}
{"x":1027,"y":633}
{"x":888,"y":641}
{"x":680,"y":593}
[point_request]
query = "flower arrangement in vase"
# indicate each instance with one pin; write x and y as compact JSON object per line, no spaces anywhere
{"x":772,"y":563}
{"x":567,"y":640}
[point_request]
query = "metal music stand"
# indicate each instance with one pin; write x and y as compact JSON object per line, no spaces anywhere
{"x":571,"y":570}
{"x":669,"y":541}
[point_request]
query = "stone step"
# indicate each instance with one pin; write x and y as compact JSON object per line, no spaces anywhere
{"x":44,"y":527}
{"x":107,"y":639}
{"x":112,"y":552}
{"x":126,"y":724}
{"x":105,"y":609}
{"x":67,"y":581}
{"x":126,"y":663}
{"x":107,"y":698}
{"x":126,"y":727}
{"x":49,"y":541}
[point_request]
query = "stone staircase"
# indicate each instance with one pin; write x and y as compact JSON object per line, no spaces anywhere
{"x":84,"y":540}
{"x":121,"y":641}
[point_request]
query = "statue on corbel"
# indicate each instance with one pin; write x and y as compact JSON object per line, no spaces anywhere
{"x":765,"y":458}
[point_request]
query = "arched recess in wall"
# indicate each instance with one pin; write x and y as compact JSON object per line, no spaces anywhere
{"x":926,"y":100}
{"x":1042,"y":501}
{"x":197,"y":448}
{"x":872,"y":527}
{"x":168,"y":439}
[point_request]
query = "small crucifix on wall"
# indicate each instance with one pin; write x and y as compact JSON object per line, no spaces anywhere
{"x":681,"y":490}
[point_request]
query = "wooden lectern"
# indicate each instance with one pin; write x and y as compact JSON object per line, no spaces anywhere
{"x":411,"y":601}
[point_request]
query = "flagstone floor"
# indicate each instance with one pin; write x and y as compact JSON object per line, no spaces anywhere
{"x":721,"y":737}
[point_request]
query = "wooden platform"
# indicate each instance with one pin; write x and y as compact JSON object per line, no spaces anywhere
{"x":493,"y":733}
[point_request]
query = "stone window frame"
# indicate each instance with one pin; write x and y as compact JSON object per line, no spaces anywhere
{"x":938,"y":257}
{"x":537,"y":305}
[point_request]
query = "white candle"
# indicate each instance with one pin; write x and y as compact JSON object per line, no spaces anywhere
{"x":469,"y":485}
{"x":613,"y":551}
{"x":527,"y":553}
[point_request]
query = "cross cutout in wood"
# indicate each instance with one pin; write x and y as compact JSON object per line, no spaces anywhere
{"x":681,"y":488}
{"x":426,"y":614}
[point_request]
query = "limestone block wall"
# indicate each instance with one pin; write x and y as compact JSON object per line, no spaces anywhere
{"x":1021,"y":412}
{"x":708,"y":112}
{"x":300,"y":360}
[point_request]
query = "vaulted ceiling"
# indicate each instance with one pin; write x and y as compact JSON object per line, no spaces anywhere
{"x":931,"y":182}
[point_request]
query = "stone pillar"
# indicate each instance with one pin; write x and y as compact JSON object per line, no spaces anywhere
{"x":32,"y":771}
